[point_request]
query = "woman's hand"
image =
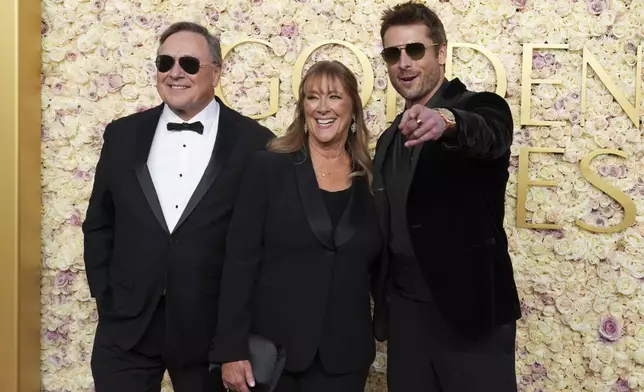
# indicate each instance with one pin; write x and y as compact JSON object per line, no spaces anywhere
{"x":237,"y":376}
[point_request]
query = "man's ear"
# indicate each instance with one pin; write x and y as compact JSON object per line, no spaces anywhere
{"x":216,"y":75}
{"x":442,"y":54}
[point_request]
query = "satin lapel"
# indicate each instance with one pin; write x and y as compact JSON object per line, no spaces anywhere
{"x":352,"y":214}
{"x":226,"y":138}
{"x":381,"y":152}
{"x":379,"y":193}
{"x":144,"y":138}
{"x":312,"y":201}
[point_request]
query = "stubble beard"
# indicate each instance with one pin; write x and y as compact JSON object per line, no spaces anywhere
{"x":419,"y":93}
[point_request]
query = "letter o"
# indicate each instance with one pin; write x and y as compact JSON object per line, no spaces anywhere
{"x":368,"y":76}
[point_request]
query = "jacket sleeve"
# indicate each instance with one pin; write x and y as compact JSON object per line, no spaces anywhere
{"x":244,"y":253}
{"x":484,"y":128}
{"x":98,"y":228}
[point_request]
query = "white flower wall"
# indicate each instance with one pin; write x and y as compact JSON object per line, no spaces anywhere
{"x":582,"y":295}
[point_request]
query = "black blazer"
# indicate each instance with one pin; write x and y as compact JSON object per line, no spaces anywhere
{"x":455,"y":210}
{"x":131,"y":257}
{"x":287,"y":279}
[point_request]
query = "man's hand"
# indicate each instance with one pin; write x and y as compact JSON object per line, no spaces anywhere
{"x":237,"y":376}
{"x":420,"y":124}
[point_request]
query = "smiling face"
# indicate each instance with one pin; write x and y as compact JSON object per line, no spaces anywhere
{"x":415,"y":80}
{"x":328,"y":110}
{"x":186,"y":95}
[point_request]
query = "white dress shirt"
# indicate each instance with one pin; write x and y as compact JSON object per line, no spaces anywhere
{"x":178,"y":159}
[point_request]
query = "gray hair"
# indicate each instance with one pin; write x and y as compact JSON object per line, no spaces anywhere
{"x":214,"y":47}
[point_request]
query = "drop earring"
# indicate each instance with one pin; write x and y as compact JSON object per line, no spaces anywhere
{"x":306,"y":128}
{"x":353,"y":125}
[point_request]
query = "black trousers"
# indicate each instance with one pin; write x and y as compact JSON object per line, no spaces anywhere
{"x":141,"y":369}
{"x":424,"y":354}
{"x":316,"y":379}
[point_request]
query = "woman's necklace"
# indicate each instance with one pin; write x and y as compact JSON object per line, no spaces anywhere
{"x":333,"y":157}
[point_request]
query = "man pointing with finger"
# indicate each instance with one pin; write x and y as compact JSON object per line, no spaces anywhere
{"x":447,"y":302}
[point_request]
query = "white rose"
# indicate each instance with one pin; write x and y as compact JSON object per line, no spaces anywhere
{"x":605,"y":272}
{"x":595,"y":365}
{"x":605,"y":354}
{"x":633,"y":382}
{"x":638,"y":356}
{"x":600,"y":304}
{"x":639,"y":333}
{"x":626,"y":285}
{"x":606,"y":289}
{"x":564,"y":304}
{"x":129,"y":92}
{"x":609,"y":375}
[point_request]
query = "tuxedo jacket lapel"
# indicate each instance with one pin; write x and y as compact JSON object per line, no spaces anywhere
{"x":380,"y":195}
{"x":226,"y":138}
{"x":355,"y":211}
{"x":144,"y":138}
{"x":315,"y":208}
{"x":311,"y":198}
{"x":381,"y":152}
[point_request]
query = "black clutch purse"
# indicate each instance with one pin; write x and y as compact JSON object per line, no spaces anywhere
{"x":267,"y":361}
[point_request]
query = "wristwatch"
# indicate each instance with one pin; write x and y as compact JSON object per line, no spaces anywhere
{"x":448,"y":117}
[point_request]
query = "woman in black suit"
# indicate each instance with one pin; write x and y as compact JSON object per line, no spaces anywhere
{"x":302,"y":242}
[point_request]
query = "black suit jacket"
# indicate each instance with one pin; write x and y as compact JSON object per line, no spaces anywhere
{"x":455,"y":210}
{"x":288,"y":279}
{"x":131,"y":257}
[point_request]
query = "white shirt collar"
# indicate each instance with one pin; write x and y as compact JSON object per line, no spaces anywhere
{"x":208,"y":116}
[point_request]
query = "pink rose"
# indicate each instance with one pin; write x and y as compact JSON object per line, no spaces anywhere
{"x":51,"y":337}
{"x":596,"y":7}
{"x":63,"y":278}
{"x":609,"y":328}
{"x":289,"y":31}
{"x":520,"y":4}
{"x":559,"y":104}
{"x":212,"y":16}
{"x":538,"y":61}
{"x":538,"y":370}
{"x":622,"y":386}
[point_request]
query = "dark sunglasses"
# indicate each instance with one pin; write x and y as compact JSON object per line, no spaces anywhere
{"x":189,"y":64}
{"x":414,"y":50}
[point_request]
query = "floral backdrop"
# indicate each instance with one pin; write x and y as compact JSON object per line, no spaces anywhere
{"x":582,"y":295}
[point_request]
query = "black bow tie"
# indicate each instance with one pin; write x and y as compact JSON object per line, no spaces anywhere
{"x":195,"y":126}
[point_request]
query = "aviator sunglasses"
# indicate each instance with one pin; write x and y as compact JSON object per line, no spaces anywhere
{"x":414,"y":50}
{"x":189,"y":64}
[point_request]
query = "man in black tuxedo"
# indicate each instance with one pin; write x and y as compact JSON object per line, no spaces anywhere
{"x":447,"y":301}
{"x":163,"y":195}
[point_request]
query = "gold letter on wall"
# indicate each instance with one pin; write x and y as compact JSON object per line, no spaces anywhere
{"x":523,"y":182}
{"x":367,"y":87}
{"x":632,"y":111}
{"x":499,"y":70}
{"x":527,"y":82}
{"x":275,"y":82}
{"x":630,"y":210}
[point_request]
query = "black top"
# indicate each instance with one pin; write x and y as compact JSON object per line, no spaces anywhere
{"x":397,"y":173}
{"x":407,"y":276}
{"x":336,"y":202}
